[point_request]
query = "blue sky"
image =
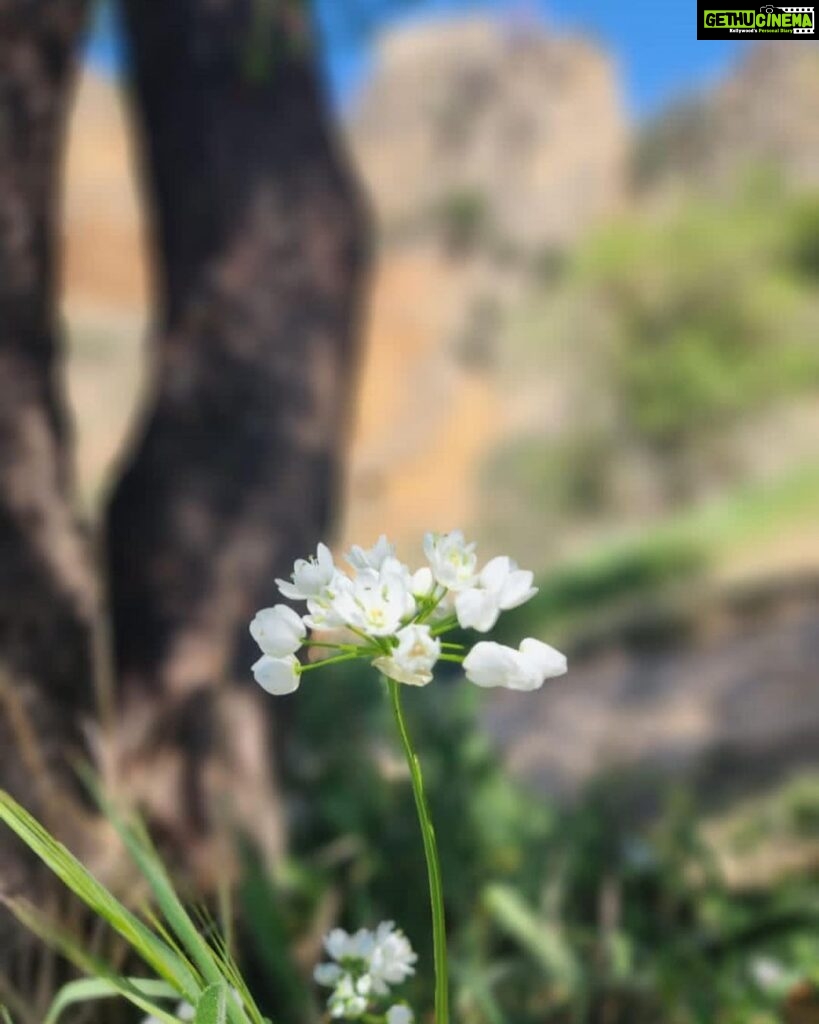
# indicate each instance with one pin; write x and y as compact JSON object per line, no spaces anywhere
{"x":655,"y":42}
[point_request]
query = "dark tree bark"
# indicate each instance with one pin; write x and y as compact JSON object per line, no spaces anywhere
{"x":47,"y":594}
{"x":260,"y":248}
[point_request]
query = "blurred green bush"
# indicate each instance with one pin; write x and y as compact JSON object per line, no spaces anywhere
{"x":667,"y":336}
{"x":600,"y":912}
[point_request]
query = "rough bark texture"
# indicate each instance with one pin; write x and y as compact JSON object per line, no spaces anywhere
{"x":260,"y":253}
{"x":46,"y":589}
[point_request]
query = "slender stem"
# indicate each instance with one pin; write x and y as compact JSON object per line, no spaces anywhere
{"x":328,"y":661}
{"x":436,"y":889}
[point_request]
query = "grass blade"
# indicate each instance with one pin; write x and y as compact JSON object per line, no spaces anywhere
{"x":160,"y":957}
{"x":210,"y":965}
{"x":38,"y":924}
{"x":212,"y":1007}
{"x":90,"y":989}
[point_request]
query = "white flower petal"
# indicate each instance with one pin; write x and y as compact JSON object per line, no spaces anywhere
{"x":279,"y":631}
{"x":278,"y":676}
{"x":495,"y":572}
{"x":399,"y":1015}
{"x":477,"y":609}
{"x":542,"y":659}
{"x":376,"y":602}
{"x":335,"y":942}
{"x":372,"y":558}
{"x":311,"y":576}
{"x":392,"y":960}
{"x":489,"y":664}
{"x":517,"y":589}
{"x":413,"y":658}
{"x":452,"y":561}
{"x":327,"y":974}
{"x":422,"y":582}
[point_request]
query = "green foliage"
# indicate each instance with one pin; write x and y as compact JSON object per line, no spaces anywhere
{"x":665,"y":336}
{"x":212,"y":1007}
{"x":709,"y":322}
{"x":556,"y":916}
{"x":804,"y":238}
{"x":186,"y":964}
{"x":88,"y":990}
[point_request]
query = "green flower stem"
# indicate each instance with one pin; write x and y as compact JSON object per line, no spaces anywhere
{"x":436,"y":889}
{"x":327,"y":661}
{"x":444,"y":626}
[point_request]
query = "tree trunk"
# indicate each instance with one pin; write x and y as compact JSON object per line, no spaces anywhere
{"x":47,"y":594}
{"x":260,"y":254}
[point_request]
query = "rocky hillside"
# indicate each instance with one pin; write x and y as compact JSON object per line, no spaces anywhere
{"x":765,"y":116}
{"x":469,"y":118}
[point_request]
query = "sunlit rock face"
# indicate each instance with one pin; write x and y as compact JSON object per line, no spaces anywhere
{"x":761,"y":121}
{"x":503,"y":122}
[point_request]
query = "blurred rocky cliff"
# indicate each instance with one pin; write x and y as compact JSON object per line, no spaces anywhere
{"x":764,"y":116}
{"x":521,"y":132}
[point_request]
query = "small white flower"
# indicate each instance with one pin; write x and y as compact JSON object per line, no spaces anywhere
{"x":451,"y":559}
{"x":399,"y":1015}
{"x":490,"y":664}
{"x":767,"y":972}
{"x":372,"y":558}
{"x":278,"y":676}
{"x":341,"y":945}
{"x":322,"y":609}
{"x":311,"y":576}
{"x":422,"y":582}
{"x":279,"y":631}
{"x":327,"y":974}
{"x":345,"y":1001}
{"x":501,"y":586}
{"x":392,"y":960}
{"x":376,"y":602}
{"x":412,"y":660}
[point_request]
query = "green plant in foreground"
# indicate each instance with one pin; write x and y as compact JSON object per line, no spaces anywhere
{"x":186,"y":966}
{"x":382,"y":614}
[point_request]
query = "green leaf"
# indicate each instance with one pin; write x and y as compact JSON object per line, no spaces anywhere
{"x":89,"y":989}
{"x":139,"y":846}
{"x":212,"y":1007}
{"x":66,"y":944}
{"x":156,"y":953}
{"x":541,"y":939}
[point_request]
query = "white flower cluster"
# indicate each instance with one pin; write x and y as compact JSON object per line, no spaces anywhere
{"x":395,"y":618}
{"x":362,"y":969}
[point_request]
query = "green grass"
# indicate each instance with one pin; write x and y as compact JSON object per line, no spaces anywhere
{"x":166,"y":938}
{"x":691,"y":544}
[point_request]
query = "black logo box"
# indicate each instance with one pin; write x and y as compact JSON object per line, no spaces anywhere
{"x":724,"y":31}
